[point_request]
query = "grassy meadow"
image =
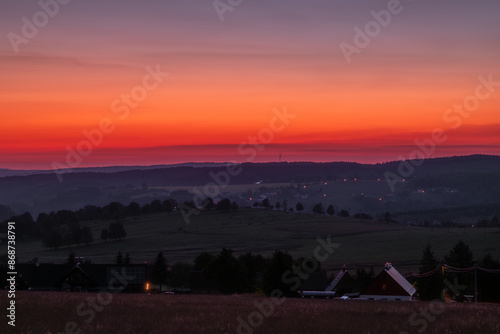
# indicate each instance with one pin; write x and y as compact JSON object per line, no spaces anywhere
{"x":50,"y":312}
{"x":362,"y":243}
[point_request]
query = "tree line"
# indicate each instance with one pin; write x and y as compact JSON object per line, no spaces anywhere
{"x":299,"y":207}
{"x":249,"y":273}
{"x":62,"y":228}
{"x":318,"y":208}
{"x":455,"y":285}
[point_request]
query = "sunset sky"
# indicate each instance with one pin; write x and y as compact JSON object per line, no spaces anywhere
{"x":228,"y":79}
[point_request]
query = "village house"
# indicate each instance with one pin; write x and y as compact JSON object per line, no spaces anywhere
{"x":389,"y":285}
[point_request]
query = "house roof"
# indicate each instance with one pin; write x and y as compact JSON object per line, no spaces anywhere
{"x":400,"y":279}
{"x":389,"y":283}
{"x":337,"y":279}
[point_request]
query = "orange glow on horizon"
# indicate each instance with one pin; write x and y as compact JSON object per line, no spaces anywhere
{"x":225,"y":80}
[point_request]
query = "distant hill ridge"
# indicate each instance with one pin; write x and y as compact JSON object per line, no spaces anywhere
{"x":477,"y":158}
{"x":107,"y":169}
{"x":475,"y":179}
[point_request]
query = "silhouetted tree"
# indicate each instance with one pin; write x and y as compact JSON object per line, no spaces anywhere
{"x":330,"y":210}
{"x":156,"y":206}
{"x":488,"y":287}
{"x":344,"y":213}
{"x":46,"y":223}
{"x":190,"y":204}
{"x":208,"y":203}
{"x":5,"y":212}
{"x":223,"y":205}
{"x":117,"y":231}
{"x":126,"y":259}
{"x":254,"y":264}
{"x":265,"y":203}
{"x":363,"y":216}
{"x":25,"y":225}
{"x":169,"y":205}
{"x":114,"y":210}
{"x":179,"y":274}
{"x":119,"y":258}
{"x":67,"y":217}
{"x":299,"y":207}
{"x":134,"y":209}
{"x":159,"y":272}
{"x":489,"y":262}
{"x":460,"y":256}
{"x":202,"y":260}
{"x":146,"y":208}
{"x":429,"y":287}
{"x":90,"y":212}
{"x":318,"y":208}
{"x":279,"y":275}
{"x":227,"y":273}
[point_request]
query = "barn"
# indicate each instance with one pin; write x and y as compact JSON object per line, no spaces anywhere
{"x":343,"y":283}
{"x":389,"y":285}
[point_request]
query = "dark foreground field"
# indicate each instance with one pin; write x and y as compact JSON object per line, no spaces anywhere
{"x":53,"y":312}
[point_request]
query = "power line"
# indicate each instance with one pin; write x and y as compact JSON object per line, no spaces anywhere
{"x":451,"y":269}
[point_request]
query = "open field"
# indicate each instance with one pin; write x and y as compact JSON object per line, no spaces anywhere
{"x":51,"y":312}
{"x":262,"y":232}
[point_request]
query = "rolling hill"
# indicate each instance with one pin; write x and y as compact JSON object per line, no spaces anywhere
{"x":362,"y":243}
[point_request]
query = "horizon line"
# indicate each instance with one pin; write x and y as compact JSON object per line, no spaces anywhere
{"x":222,"y":163}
